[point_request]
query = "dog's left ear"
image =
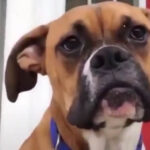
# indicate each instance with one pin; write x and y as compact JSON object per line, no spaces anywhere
{"x":25,"y":61}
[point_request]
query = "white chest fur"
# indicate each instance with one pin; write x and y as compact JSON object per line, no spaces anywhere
{"x":114,"y":138}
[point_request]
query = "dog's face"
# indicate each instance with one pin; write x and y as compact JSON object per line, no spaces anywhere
{"x":98,"y":60}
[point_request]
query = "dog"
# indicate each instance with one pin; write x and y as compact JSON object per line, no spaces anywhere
{"x":97,"y":58}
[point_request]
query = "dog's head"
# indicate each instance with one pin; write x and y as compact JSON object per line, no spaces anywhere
{"x":98,"y":60}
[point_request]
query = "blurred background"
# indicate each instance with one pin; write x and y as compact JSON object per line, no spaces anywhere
{"x":17,"y":120}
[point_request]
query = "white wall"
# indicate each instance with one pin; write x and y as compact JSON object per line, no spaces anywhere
{"x":20,"y":118}
{"x":142,"y":3}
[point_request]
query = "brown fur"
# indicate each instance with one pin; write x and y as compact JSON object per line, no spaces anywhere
{"x":102,"y":20}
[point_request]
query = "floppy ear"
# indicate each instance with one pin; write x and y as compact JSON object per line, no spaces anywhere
{"x":24,"y":62}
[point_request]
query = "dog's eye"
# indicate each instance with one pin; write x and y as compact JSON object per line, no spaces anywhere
{"x":138,"y":33}
{"x":71,"y":44}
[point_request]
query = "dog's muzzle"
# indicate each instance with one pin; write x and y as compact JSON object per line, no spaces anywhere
{"x":112,"y":84}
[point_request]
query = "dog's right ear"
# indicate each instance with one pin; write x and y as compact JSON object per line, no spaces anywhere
{"x":25,"y":61}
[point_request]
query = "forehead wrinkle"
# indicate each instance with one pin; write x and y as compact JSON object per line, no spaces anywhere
{"x":107,"y":22}
{"x":98,"y":13}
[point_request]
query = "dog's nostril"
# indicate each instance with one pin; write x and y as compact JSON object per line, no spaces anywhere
{"x":97,"y":62}
{"x":109,"y":58}
{"x":119,"y":57}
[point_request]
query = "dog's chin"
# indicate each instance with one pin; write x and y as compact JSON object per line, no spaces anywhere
{"x":119,"y":104}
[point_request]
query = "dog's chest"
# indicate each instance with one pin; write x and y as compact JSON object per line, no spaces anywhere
{"x":114,"y":139}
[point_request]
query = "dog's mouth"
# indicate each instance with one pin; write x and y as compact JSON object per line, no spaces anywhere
{"x":120,"y":102}
{"x":122,"y":99}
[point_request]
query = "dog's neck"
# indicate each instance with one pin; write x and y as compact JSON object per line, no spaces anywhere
{"x":114,"y":138}
{"x":71,"y":135}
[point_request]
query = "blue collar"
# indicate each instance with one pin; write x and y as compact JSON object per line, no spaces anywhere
{"x":59,"y":144}
{"x":139,"y":145}
{"x":57,"y":141}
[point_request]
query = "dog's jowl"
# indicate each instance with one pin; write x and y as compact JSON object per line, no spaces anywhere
{"x":97,"y":58}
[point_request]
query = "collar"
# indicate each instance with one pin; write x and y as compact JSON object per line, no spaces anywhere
{"x":139,"y":145}
{"x":57,"y":141}
{"x":59,"y":144}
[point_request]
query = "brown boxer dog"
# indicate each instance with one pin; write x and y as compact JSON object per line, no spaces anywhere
{"x":97,"y":58}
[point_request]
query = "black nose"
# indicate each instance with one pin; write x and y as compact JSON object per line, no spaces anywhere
{"x":108,"y":58}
